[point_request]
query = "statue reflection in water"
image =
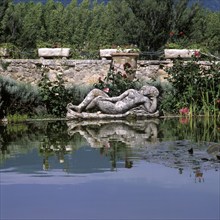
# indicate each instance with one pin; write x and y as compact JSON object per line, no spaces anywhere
{"x":116,"y":138}
{"x":99,"y":134}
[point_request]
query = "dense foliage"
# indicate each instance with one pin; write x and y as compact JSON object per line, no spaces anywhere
{"x":116,"y":82}
{"x":17,"y":97}
{"x":193,"y":89}
{"x":55,"y":96}
{"x":89,"y":26}
{"x":49,"y":98}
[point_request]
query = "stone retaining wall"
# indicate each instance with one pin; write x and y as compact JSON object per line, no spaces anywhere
{"x":79,"y":72}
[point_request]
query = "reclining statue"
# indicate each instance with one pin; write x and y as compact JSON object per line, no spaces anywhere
{"x":145,"y":97}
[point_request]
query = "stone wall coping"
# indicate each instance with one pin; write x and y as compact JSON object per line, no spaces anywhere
{"x":153,"y":62}
{"x":74,"y":62}
{"x":55,"y":61}
{"x":124,"y":54}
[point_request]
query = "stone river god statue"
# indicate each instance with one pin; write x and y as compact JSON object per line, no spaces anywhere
{"x":139,"y":103}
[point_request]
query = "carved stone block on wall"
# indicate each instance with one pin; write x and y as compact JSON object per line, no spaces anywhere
{"x":175,"y":53}
{"x":53,"y":52}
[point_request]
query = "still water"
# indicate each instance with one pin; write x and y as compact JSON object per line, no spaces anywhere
{"x":149,"y":169}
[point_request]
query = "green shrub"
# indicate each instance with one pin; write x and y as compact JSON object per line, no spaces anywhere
{"x":194,"y":86}
{"x":115,"y":83}
{"x":17,"y":97}
{"x":13,"y":50}
{"x":16,"y":118}
{"x":55,"y":96}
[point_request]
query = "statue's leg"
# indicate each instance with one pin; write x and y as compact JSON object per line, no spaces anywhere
{"x":88,"y":99}
{"x":93,"y":103}
{"x":70,"y":106}
{"x":92,"y":95}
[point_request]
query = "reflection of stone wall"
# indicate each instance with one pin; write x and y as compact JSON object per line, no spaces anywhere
{"x":80,"y":72}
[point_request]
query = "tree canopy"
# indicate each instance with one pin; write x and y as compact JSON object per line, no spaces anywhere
{"x":150,"y":24}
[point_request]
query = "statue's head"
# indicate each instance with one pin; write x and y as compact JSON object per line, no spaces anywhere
{"x":148,"y":90}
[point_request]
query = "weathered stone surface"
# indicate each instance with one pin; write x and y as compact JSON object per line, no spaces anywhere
{"x":54,"y":52}
{"x":135,"y":103}
{"x":71,"y":115}
{"x":175,"y":53}
{"x":162,"y":75}
{"x":80,"y":72}
{"x":106,"y":53}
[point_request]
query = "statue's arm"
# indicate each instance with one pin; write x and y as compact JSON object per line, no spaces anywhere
{"x":116,"y":98}
{"x":151,"y":105}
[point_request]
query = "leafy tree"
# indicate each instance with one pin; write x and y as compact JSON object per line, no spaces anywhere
{"x":107,"y":28}
{"x":12,"y":22}
{"x":184,"y":18}
{"x":212,"y":33}
{"x":83,"y":22}
{"x":3,"y":7}
{"x":53,"y":22}
{"x":91,"y":25}
{"x":69,"y":16}
{"x":199,"y":26}
{"x":121,"y":18}
{"x":95,"y":31}
{"x":151,"y":22}
{"x":31,"y":27}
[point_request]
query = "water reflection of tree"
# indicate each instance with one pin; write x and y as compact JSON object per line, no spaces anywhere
{"x":16,"y":139}
{"x":56,"y":143}
{"x":23,"y":137}
{"x":118,"y":151}
{"x":195,"y":129}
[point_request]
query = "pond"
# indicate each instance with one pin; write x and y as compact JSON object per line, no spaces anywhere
{"x":147,"y":169}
